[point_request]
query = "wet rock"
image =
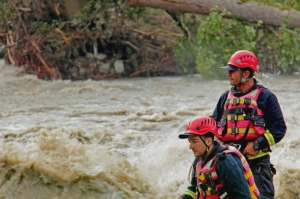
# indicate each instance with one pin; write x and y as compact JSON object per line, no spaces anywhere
{"x":105,"y":68}
{"x":101,"y":56}
{"x":296,"y":73}
{"x":89,"y":55}
{"x":82,"y":71}
{"x":119,"y":66}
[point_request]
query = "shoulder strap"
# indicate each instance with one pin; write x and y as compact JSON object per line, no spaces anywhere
{"x":219,"y":153}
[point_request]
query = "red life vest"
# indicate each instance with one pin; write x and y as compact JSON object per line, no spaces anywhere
{"x":208,"y":183}
{"x":241,"y":119}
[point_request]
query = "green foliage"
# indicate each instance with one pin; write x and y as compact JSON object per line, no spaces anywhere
{"x":282,"y":4}
{"x":4,"y":12}
{"x":289,"y":49}
{"x":218,"y":39}
{"x":185,"y":54}
{"x":278,"y":49}
{"x":133,"y":12}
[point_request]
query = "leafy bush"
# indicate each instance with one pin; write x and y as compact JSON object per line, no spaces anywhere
{"x":288,"y":48}
{"x":218,"y":38}
{"x":277,"y":49}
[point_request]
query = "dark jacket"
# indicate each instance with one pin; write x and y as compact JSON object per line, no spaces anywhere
{"x":274,"y":121}
{"x":229,"y":170}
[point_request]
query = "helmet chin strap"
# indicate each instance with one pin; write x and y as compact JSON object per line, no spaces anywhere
{"x":207,"y":147}
{"x":243,"y":79}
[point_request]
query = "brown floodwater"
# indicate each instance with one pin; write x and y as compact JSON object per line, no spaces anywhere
{"x":118,"y":138}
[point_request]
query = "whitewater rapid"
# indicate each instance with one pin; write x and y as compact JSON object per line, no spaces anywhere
{"x":118,"y":138}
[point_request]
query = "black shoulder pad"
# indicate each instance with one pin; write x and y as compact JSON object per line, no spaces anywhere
{"x":222,"y":155}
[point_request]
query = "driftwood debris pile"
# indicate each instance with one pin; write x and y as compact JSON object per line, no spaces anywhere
{"x":57,"y":40}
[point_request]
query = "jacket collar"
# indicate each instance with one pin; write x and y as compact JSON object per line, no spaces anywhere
{"x":237,"y":93}
{"x":212,"y":154}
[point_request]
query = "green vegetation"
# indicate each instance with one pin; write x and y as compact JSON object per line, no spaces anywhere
{"x":4,"y":12}
{"x":217,"y":38}
{"x":282,"y":4}
{"x":207,"y":43}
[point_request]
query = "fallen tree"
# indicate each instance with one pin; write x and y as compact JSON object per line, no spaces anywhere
{"x":243,"y":10}
{"x":108,"y":40}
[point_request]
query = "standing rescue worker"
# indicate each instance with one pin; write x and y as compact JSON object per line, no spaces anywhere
{"x":250,"y":118}
{"x":217,"y":171}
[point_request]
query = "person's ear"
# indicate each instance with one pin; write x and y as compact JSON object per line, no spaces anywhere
{"x":209,"y":141}
{"x":246,"y":74}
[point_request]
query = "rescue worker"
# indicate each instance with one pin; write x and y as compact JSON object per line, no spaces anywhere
{"x":250,"y":118}
{"x":218,"y":171}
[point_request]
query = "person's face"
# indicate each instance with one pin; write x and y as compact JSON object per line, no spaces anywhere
{"x":234,"y":77}
{"x":197,"y":145}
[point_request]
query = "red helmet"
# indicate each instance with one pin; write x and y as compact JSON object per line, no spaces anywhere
{"x":243,"y":59}
{"x":200,"y":126}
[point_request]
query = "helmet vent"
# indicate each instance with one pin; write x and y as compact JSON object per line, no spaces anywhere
{"x":207,"y":121}
{"x":201,"y":126}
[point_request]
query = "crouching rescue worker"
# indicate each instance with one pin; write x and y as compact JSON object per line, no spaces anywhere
{"x":218,"y":171}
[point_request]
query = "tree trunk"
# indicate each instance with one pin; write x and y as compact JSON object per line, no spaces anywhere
{"x":248,"y":11}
